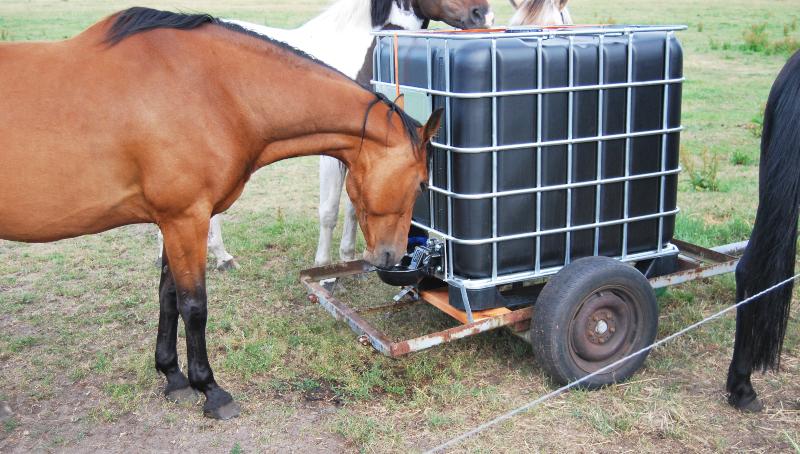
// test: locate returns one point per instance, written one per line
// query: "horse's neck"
(341, 35)
(331, 124)
(325, 114)
(342, 16)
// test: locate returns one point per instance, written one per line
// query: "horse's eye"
(423, 186)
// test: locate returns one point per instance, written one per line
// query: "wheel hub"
(600, 327)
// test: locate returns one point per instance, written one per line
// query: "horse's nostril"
(477, 15)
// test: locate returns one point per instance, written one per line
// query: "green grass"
(10, 424)
(80, 316)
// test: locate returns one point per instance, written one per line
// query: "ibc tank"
(555, 145)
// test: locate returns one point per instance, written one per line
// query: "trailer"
(552, 192)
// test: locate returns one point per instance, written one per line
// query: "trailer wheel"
(593, 312)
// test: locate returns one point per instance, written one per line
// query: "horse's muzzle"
(382, 257)
(480, 17)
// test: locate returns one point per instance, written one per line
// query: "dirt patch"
(73, 422)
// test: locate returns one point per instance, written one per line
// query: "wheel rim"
(603, 328)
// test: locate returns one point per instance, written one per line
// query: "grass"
(10, 424)
(702, 177)
(78, 318)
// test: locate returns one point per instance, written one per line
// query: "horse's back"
(80, 120)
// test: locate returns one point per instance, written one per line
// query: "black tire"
(593, 312)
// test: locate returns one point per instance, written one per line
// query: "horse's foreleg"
(331, 178)
(185, 241)
(177, 389)
(216, 246)
(741, 393)
(347, 248)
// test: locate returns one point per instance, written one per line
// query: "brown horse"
(152, 116)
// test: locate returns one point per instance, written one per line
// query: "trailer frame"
(694, 262)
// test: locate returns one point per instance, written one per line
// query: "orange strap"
(396, 68)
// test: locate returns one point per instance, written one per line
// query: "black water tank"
(471, 126)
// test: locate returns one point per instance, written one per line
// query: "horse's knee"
(194, 312)
(166, 360)
(328, 217)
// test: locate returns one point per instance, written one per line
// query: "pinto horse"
(157, 117)
(342, 37)
(771, 252)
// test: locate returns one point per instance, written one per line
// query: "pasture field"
(78, 318)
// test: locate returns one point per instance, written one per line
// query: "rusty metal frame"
(694, 262)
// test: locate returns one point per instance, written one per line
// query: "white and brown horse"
(156, 117)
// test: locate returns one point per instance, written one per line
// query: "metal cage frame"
(445, 233)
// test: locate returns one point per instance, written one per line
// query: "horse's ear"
(514, 4)
(380, 11)
(400, 101)
(432, 126)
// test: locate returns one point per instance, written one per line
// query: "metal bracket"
(407, 291)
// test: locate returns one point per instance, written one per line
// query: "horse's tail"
(770, 255)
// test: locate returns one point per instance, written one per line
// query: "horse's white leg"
(216, 246)
(331, 178)
(347, 248)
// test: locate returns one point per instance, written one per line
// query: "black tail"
(770, 254)
(138, 19)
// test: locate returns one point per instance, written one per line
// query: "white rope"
(501, 418)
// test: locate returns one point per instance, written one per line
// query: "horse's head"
(540, 12)
(463, 14)
(386, 178)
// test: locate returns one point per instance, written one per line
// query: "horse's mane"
(139, 19)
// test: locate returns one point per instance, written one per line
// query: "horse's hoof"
(751, 405)
(225, 412)
(184, 396)
(228, 265)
